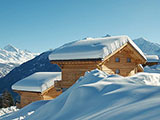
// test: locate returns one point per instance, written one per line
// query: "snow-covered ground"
(24, 112)
(6, 111)
(99, 96)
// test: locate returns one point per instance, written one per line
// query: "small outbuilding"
(113, 55)
(38, 86)
(152, 60)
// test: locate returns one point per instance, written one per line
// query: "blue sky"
(40, 25)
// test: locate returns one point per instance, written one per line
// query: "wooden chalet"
(38, 86)
(113, 55)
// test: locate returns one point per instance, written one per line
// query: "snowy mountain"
(11, 57)
(100, 96)
(38, 64)
(148, 47)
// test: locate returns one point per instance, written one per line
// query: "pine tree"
(7, 99)
(0, 102)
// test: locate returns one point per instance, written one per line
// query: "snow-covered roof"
(37, 82)
(91, 48)
(152, 58)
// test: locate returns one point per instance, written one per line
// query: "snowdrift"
(99, 96)
(24, 112)
(8, 110)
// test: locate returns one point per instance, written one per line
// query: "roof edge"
(94, 59)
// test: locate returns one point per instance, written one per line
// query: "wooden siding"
(51, 93)
(28, 97)
(126, 68)
(72, 72)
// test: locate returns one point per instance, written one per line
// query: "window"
(58, 89)
(128, 60)
(117, 71)
(117, 59)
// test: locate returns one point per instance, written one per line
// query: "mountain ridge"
(148, 47)
(11, 57)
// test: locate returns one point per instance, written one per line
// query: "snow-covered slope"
(11, 57)
(99, 96)
(8, 110)
(148, 47)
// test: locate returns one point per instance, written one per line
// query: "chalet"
(38, 86)
(113, 55)
(152, 60)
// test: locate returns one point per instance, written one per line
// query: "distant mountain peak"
(107, 35)
(147, 46)
(10, 48)
(11, 57)
(143, 38)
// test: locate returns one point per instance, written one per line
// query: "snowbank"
(8, 110)
(24, 112)
(37, 82)
(91, 48)
(99, 96)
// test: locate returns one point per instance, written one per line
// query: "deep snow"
(24, 112)
(8, 110)
(99, 96)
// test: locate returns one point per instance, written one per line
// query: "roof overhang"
(140, 56)
(140, 68)
(142, 59)
(77, 61)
